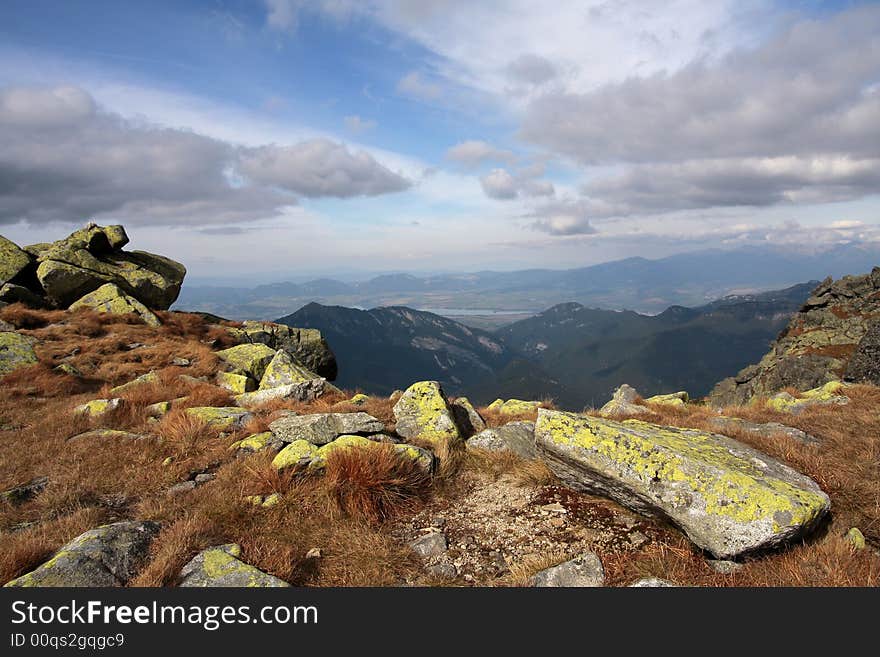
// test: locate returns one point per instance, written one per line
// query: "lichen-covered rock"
(728, 498)
(514, 406)
(421, 457)
(516, 437)
(623, 403)
(220, 567)
(307, 346)
(583, 571)
(467, 418)
(282, 370)
(98, 407)
(675, 399)
(856, 538)
(256, 441)
(105, 556)
(110, 299)
(222, 418)
(423, 413)
(248, 359)
(144, 379)
(816, 346)
(826, 395)
(322, 428)
(303, 392)
(724, 424)
(359, 399)
(864, 366)
(298, 453)
(13, 260)
(16, 351)
(92, 256)
(237, 384)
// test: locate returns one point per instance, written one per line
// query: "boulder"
(674, 399)
(23, 492)
(16, 351)
(92, 256)
(12, 293)
(248, 359)
(423, 413)
(421, 457)
(13, 261)
(98, 407)
(256, 441)
(514, 406)
(516, 437)
(583, 571)
(221, 567)
(728, 498)
(298, 453)
(302, 392)
(106, 556)
(360, 399)
(430, 545)
(467, 418)
(864, 366)
(223, 418)
(282, 370)
(623, 403)
(110, 299)
(723, 424)
(826, 395)
(143, 380)
(236, 383)
(307, 346)
(322, 428)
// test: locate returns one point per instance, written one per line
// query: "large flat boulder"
(423, 413)
(105, 556)
(93, 256)
(248, 359)
(322, 428)
(728, 498)
(302, 392)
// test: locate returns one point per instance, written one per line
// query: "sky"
(262, 140)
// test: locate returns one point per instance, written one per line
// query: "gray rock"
(723, 566)
(423, 413)
(443, 569)
(430, 545)
(220, 567)
(13, 260)
(106, 556)
(306, 345)
(467, 418)
(727, 497)
(864, 366)
(322, 428)
(652, 583)
(182, 487)
(516, 437)
(623, 402)
(767, 429)
(582, 571)
(11, 293)
(16, 351)
(304, 391)
(24, 492)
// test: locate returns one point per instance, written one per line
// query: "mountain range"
(571, 353)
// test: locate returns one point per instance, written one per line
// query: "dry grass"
(497, 464)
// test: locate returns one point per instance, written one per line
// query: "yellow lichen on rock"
(237, 384)
(423, 413)
(297, 453)
(110, 299)
(248, 359)
(675, 399)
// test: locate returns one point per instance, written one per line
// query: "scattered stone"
(825, 395)
(766, 430)
(652, 583)
(224, 418)
(106, 556)
(516, 437)
(582, 571)
(423, 413)
(430, 545)
(304, 392)
(68, 369)
(322, 428)
(144, 379)
(220, 567)
(98, 407)
(237, 384)
(110, 299)
(299, 453)
(257, 441)
(23, 492)
(623, 402)
(181, 362)
(514, 406)
(16, 351)
(314, 553)
(421, 457)
(162, 408)
(723, 566)
(248, 359)
(264, 501)
(469, 421)
(182, 487)
(204, 478)
(727, 497)
(856, 538)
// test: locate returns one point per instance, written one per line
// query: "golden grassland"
(348, 511)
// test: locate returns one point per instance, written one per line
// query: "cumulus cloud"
(319, 167)
(500, 184)
(564, 217)
(474, 152)
(531, 69)
(64, 159)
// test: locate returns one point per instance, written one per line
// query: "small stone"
(204, 478)
(430, 545)
(443, 570)
(652, 583)
(181, 362)
(314, 553)
(723, 566)
(582, 571)
(182, 487)
(856, 538)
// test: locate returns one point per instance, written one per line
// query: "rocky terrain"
(141, 447)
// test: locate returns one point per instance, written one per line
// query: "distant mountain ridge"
(647, 286)
(574, 354)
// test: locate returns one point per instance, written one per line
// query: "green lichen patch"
(237, 384)
(144, 379)
(16, 351)
(514, 406)
(221, 567)
(298, 453)
(98, 407)
(255, 442)
(283, 370)
(223, 418)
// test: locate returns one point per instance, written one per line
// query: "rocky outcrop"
(307, 346)
(14, 261)
(106, 556)
(864, 366)
(727, 497)
(818, 344)
(110, 299)
(516, 437)
(423, 413)
(221, 567)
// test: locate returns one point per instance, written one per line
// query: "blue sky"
(266, 139)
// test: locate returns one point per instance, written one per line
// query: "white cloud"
(499, 184)
(474, 152)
